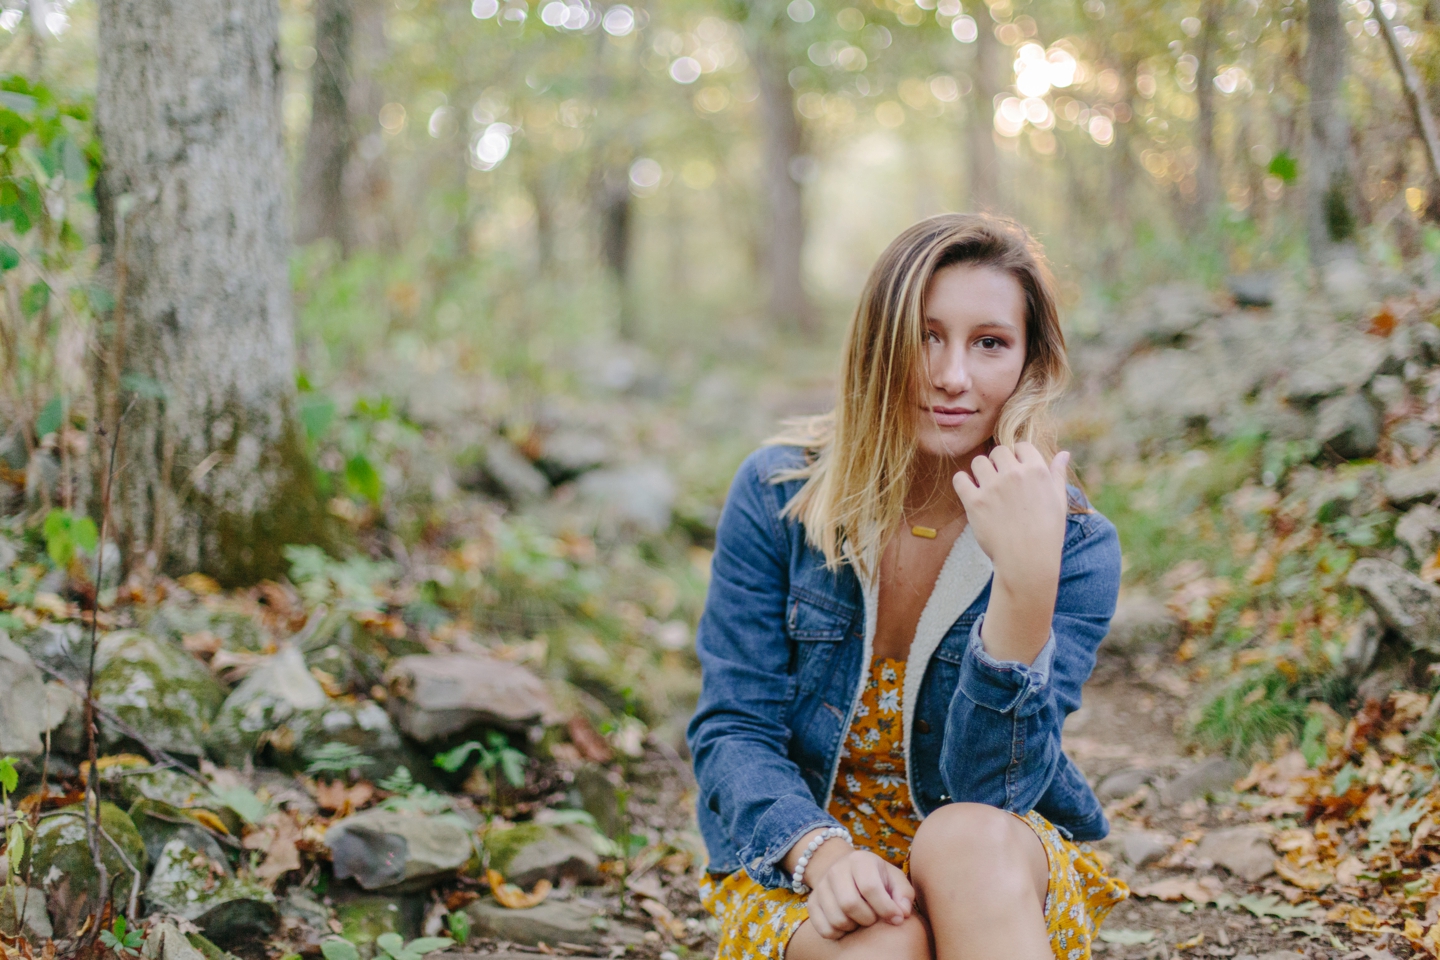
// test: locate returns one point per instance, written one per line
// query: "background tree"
(320, 199)
(215, 475)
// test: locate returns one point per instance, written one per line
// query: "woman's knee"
(905, 941)
(963, 843)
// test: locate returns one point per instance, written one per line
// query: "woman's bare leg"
(879, 941)
(981, 876)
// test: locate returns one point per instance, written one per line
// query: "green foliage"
(9, 777)
(410, 795)
(394, 946)
(459, 925)
(250, 807)
(123, 941)
(1270, 905)
(1394, 824)
(351, 582)
(336, 757)
(66, 533)
(1251, 711)
(1284, 166)
(498, 753)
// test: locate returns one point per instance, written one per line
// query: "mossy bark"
(213, 471)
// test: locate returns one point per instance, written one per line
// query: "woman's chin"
(948, 444)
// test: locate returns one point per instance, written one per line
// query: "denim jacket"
(785, 645)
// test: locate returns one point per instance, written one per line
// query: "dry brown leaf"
(126, 760)
(1192, 943)
(1311, 876)
(341, 797)
(590, 744)
(512, 897)
(1203, 890)
(276, 837)
(199, 584)
(1349, 870)
(663, 917)
(1357, 918)
(203, 644)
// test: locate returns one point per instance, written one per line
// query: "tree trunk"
(980, 129)
(1329, 186)
(1207, 171)
(214, 474)
(616, 219)
(785, 218)
(321, 200)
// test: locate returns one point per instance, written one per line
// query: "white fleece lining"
(964, 574)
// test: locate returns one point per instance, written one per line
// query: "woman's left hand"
(1016, 505)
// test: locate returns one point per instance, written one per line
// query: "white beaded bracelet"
(797, 879)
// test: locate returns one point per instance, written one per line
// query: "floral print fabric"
(872, 799)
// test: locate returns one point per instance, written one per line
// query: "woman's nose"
(948, 371)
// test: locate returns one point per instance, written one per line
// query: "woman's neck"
(931, 491)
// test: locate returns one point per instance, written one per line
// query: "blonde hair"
(859, 455)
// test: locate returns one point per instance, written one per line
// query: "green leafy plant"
(337, 757)
(1272, 906)
(391, 946)
(123, 941)
(66, 533)
(493, 758)
(15, 833)
(410, 795)
(459, 925)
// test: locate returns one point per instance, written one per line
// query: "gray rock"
(435, 695)
(636, 498)
(599, 796)
(164, 941)
(1142, 847)
(63, 647)
(1419, 530)
(398, 850)
(1172, 387)
(1123, 783)
(553, 921)
(158, 823)
(1345, 366)
(364, 725)
(515, 478)
(27, 708)
(278, 689)
(1389, 391)
(1362, 643)
(1162, 314)
(1410, 485)
(161, 691)
(569, 452)
(1243, 851)
(1348, 427)
(9, 553)
(1416, 435)
(1213, 775)
(1405, 603)
(194, 884)
(529, 852)
(1253, 289)
(1347, 285)
(1141, 623)
(22, 909)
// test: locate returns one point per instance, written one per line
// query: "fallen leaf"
(199, 584)
(591, 745)
(1171, 889)
(1356, 917)
(341, 797)
(512, 897)
(1192, 943)
(275, 836)
(663, 917)
(1311, 876)
(1272, 906)
(1125, 937)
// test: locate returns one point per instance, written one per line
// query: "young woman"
(905, 600)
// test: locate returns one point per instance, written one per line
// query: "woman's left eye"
(990, 343)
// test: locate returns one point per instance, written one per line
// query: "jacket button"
(922, 726)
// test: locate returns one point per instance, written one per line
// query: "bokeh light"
(801, 11)
(964, 29)
(619, 20)
(645, 175)
(491, 146)
(484, 9)
(685, 70)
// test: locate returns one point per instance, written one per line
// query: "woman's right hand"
(856, 890)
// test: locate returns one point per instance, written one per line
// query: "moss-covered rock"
(158, 689)
(528, 852)
(191, 882)
(279, 689)
(60, 862)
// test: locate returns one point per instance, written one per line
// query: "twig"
(134, 875)
(1414, 92)
(92, 820)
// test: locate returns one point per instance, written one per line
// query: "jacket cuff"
(788, 819)
(1005, 686)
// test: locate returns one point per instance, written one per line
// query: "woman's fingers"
(853, 900)
(1003, 458)
(872, 886)
(1059, 466)
(836, 919)
(900, 888)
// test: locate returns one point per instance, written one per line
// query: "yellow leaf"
(512, 897)
(1192, 943)
(199, 584)
(1311, 876)
(126, 760)
(208, 819)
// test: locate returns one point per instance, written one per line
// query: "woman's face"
(973, 355)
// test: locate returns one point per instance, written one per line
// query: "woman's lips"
(950, 416)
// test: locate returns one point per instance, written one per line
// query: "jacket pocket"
(817, 633)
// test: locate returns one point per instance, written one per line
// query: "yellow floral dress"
(872, 799)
